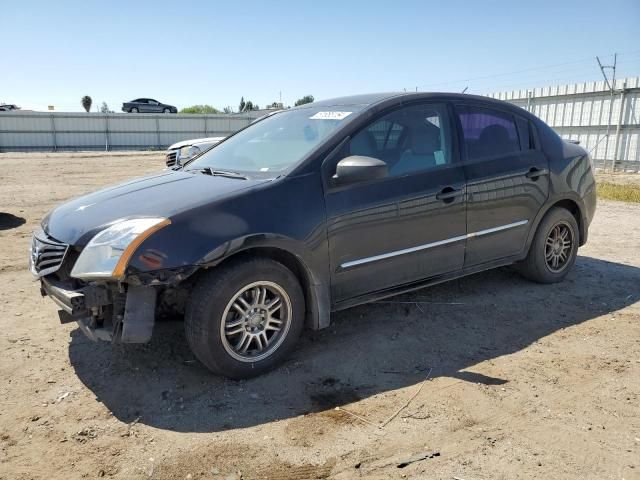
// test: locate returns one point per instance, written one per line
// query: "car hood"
(159, 195)
(195, 141)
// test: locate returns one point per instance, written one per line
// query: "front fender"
(287, 215)
(254, 241)
(315, 281)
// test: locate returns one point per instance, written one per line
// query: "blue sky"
(188, 52)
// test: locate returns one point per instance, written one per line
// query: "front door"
(154, 106)
(507, 181)
(405, 227)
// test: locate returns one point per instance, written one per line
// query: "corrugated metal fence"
(29, 131)
(607, 124)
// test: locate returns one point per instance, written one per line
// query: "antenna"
(613, 67)
(465, 89)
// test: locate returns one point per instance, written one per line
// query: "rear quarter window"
(526, 135)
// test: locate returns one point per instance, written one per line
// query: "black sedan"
(147, 105)
(316, 209)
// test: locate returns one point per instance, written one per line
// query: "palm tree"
(86, 103)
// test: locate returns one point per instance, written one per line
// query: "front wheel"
(166, 110)
(244, 318)
(554, 248)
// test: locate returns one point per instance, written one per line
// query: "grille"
(171, 159)
(46, 254)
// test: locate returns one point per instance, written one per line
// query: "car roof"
(364, 99)
(375, 98)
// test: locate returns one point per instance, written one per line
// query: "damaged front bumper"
(103, 312)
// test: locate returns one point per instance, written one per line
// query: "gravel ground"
(491, 377)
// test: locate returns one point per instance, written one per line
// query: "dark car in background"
(8, 107)
(317, 209)
(147, 105)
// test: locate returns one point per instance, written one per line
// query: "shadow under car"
(367, 350)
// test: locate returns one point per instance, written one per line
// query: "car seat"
(424, 152)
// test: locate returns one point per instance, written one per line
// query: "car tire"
(225, 315)
(166, 110)
(134, 110)
(554, 248)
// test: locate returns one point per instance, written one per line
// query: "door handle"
(448, 194)
(534, 173)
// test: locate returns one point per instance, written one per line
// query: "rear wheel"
(554, 248)
(245, 317)
(134, 110)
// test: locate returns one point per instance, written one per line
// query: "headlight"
(188, 152)
(108, 253)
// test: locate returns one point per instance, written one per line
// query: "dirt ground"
(491, 377)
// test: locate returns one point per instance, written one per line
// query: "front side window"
(410, 139)
(487, 132)
(277, 142)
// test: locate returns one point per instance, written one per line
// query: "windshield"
(277, 142)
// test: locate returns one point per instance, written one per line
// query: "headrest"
(425, 141)
(494, 135)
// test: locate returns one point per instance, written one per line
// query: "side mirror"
(358, 168)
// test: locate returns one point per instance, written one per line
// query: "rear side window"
(487, 132)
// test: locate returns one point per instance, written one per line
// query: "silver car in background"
(180, 152)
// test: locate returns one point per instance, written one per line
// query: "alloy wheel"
(559, 247)
(255, 322)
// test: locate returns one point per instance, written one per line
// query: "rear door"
(142, 105)
(507, 181)
(405, 227)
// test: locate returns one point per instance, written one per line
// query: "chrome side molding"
(439, 243)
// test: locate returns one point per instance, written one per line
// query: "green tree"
(104, 108)
(200, 109)
(242, 105)
(248, 105)
(305, 99)
(228, 110)
(86, 103)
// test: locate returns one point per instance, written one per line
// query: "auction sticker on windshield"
(330, 115)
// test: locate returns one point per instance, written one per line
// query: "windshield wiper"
(223, 173)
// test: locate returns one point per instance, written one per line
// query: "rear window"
(487, 132)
